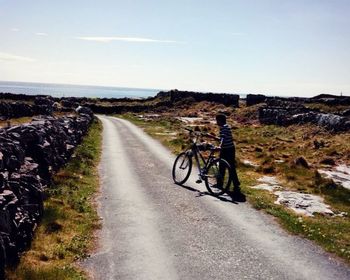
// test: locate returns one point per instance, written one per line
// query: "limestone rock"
(301, 203)
(29, 154)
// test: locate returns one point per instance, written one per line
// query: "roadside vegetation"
(15, 121)
(66, 233)
(291, 154)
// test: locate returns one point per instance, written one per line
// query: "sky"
(278, 47)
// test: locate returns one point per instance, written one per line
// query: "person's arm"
(213, 137)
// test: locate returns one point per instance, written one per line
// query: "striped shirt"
(226, 136)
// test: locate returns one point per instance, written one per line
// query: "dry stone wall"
(288, 115)
(29, 155)
(17, 109)
(222, 98)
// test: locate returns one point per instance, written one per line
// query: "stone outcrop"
(289, 113)
(29, 155)
(301, 203)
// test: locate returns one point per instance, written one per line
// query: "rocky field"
(293, 154)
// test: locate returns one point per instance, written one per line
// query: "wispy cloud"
(11, 57)
(41, 34)
(15, 29)
(126, 39)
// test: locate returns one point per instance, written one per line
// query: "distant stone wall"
(23, 97)
(29, 155)
(253, 99)
(120, 109)
(329, 99)
(222, 98)
(162, 101)
(18, 109)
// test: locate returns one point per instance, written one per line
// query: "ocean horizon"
(70, 90)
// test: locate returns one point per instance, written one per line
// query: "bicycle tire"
(214, 181)
(182, 168)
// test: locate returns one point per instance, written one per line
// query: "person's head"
(220, 119)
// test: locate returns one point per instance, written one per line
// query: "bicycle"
(215, 172)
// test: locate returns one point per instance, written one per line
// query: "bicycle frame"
(214, 171)
(194, 151)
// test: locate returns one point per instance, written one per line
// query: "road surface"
(154, 229)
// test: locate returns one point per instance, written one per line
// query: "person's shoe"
(238, 196)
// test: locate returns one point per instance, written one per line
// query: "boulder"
(301, 161)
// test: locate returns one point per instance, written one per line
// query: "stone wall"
(18, 109)
(330, 99)
(29, 155)
(222, 98)
(119, 109)
(289, 114)
(23, 97)
(162, 101)
(253, 99)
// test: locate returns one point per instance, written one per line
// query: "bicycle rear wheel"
(182, 168)
(218, 177)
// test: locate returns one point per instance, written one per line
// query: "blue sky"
(279, 47)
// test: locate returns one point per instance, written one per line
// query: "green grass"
(286, 143)
(66, 233)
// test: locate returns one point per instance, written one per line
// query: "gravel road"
(154, 229)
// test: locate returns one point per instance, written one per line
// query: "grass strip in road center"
(66, 233)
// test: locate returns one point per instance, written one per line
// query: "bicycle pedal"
(199, 181)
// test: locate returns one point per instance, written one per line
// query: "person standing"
(228, 153)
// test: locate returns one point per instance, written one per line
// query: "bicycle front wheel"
(218, 176)
(182, 168)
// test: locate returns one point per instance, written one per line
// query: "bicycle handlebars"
(207, 146)
(202, 134)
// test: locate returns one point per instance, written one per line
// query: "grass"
(66, 233)
(15, 121)
(266, 144)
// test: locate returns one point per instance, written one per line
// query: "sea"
(65, 90)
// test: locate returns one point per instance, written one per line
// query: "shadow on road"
(226, 198)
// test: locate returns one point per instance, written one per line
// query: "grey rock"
(29, 155)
